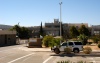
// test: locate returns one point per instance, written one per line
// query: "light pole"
(60, 20)
(18, 23)
(18, 35)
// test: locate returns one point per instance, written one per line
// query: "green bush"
(87, 50)
(47, 40)
(50, 41)
(98, 45)
(63, 62)
(67, 50)
(95, 39)
(81, 62)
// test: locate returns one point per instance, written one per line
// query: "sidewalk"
(35, 49)
(44, 49)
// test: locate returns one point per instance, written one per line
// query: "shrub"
(81, 62)
(47, 40)
(87, 50)
(73, 62)
(95, 39)
(63, 61)
(98, 45)
(50, 41)
(67, 50)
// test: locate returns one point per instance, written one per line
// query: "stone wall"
(35, 42)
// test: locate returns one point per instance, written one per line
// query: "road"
(13, 54)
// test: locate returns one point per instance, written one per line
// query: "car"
(76, 47)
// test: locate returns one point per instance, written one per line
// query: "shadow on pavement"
(93, 54)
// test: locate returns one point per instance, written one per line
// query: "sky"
(33, 12)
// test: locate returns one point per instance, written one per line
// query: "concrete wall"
(35, 42)
(7, 38)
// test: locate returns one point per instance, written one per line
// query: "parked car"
(76, 47)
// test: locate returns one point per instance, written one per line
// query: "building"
(34, 31)
(7, 37)
(54, 28)
(95, 30)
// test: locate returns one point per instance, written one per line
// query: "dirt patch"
(93, 47)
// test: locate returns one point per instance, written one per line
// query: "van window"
(70, 43)
(78, 43)
(64, 44)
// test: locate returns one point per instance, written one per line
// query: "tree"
(83, 38)
(95, 39)
(22, 32)
(84, 30)
(17, 29)
(41, 30)
(74, 32)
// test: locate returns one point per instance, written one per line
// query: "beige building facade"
(54, 28)
(95, 30)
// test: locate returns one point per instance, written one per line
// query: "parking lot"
(22, 54)
(54, 58)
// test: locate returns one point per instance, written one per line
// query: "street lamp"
(18, 23)
(60, 20)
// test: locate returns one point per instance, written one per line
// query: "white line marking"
(27, 58)
(47, 59)
(20, 58)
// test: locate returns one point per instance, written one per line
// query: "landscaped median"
(87, 50)
(93, 47)
(73, 62)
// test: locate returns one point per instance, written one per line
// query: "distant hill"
(5, 27)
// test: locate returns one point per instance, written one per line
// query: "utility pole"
(60, 20)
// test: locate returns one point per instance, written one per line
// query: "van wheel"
(57, 51)
(76, 50)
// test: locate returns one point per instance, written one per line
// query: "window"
(64, 44)
(78, 43)
(70, 43)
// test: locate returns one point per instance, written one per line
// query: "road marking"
(26, 59)
(47, 59)
(21, 58)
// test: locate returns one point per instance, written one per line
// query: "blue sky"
(33, 12)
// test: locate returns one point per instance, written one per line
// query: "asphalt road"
(12, 54)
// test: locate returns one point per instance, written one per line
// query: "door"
(5, 39)
(71, 45)
(63, 46)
